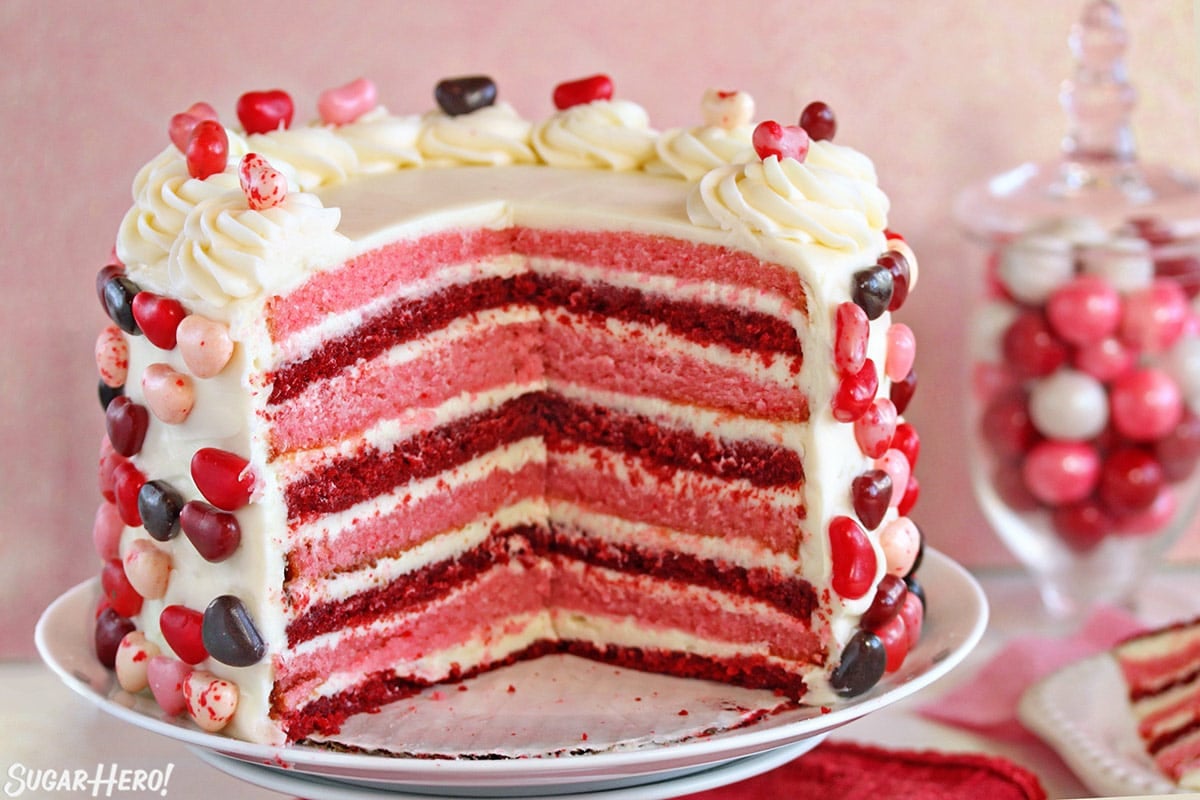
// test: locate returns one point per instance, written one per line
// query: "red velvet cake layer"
(344, 482)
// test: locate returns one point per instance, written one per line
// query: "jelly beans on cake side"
(1092, 390)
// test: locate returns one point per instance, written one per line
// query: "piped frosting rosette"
(310, 157)
(604, 134)
(725, 138)
(494, 135)
(832, 198)
(382, 141)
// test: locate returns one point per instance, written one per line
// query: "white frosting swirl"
(494, 135)
(612, 134)
(381, 141)
(690, 153)
(309, 157)
(832, 198)
(228, 251)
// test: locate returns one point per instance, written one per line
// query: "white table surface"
(44, 725)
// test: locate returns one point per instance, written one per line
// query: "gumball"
(1034, 267)
(1068, 405)
(1125, 264)
(1130, 480)
(1006, 426)
(1058, 473)
(1146, 404)
(1179, 450)
(1154, 316)
(1084, 310)
(1183, 364)
(1031, 348)
(1105, 359)
(1153, 519)
(1083, 525)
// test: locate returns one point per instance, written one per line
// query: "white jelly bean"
(204, 344)
(727, 109)
(169, 394)
(147, 568)
(133, 659)
(900, 541)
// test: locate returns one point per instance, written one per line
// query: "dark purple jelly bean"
(229, 634)
(897, 264)
(889, 598)
(872, 289)
(126, 422)
(871, 493)
(915, 588)
(159, 505)
(902, 391)
(110, 629)
(214, 533)
(118, 295)
(458, 96)
(109, 393)
(920, 552)
(863, 662)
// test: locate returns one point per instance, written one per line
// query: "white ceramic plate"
(605, 730)
(1080, 711)
(312, 787)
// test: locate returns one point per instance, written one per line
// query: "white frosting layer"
(494, 135)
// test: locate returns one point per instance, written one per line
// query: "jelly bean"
(851, 332)
(871, 495)
(900, 541)
(230, 635)
(901, 392)
(263, 185)
(908, 442)
(889, 597)
(458, 96)
(894, 636)
(902, 275)
(211, 701)
(159, 505)
(781, 141)
(110, 628)
(166, 677)
(263, 112)
(896, 465)
(901, 248)
(344, 104)
(901, 351)
(853, 560)
(127, 481)
(819, 121)
(168, 394)
(147, 568)
(915, 588)
(876, 428)
(912, 611)
(863, 663)
(108, 394)
(207, 149)
(1058, 473)
(581, 91)
(158, 317)
(112, 356)
(205, 345)
(855, 393)
(728, 110)
(912, 492)
(106, 531)
(224, 478)
(871, 289)
(1068, 405)
(109, 459)
(182, 124)
(181, 628)
(126, 423)
(122, 597)
(118, 293)
(215, 534)
(1146, 404)
(132, 660)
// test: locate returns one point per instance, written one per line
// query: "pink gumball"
(1058, 472)
(1086, 309)
(1155, 316)
(1153, 519)
(1105, 359)
(1146, 404)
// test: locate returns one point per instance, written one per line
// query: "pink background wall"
(939, 94)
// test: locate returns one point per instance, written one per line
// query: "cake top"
(229, 213)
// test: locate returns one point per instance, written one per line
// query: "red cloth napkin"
(848, 771)
(987, 703)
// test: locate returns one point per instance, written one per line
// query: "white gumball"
(1032, 267)
(1069, 405)
(1126, 263)
(1182, 363)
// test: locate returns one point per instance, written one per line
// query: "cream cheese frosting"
(494, 135)
(612, 134)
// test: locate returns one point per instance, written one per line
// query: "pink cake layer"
(1149, 676)
(1187, 706)
(1182, 755)
(692, 503)
(341, 407)
(587, 354)
(383, 272)
(411, 523)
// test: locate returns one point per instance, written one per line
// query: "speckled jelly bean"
(263, 185)
(853, 560)
(204, 344)
(132, 660)
(230, 635)
(725, 109)
(211, 701)
(166, 677)
(107, 528)
(169, 395)
(875, 429)
(855, 393)
(863, 663)
(112, 356)
(901, 351)
(896, 465)
(851, 332)
(147, 568)
(1068, 405)
(181, 628)
(900, 541)
(344, 104)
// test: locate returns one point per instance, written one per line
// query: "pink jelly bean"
(1086, 309)
(106, 531)
(204, 344)
(133, 660)
(169, 394)
(1155, 316)
(876, 428)
(347, 103)
(112, 356)
(901, 352)
(211, 701)
(166, 677)
(900, 541)
(147, 568)
(1061, 472)
(852, 329)
(1146, 404)
(896, 465)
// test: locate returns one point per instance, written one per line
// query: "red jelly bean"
(855, 393)
(122, 597)
(584, 90)
(127, 483)
(182, 627)
(223, 478)
(851, 332)
(126, 423)
(853, 559)
(908, 442)
(912, 611)
(109, 630)
(207, 149)
(894, 635)
(912, 492)
(263, 112)
(782, 141)
(158, 317)
(818, 120)
(871, 494)
(902, 392)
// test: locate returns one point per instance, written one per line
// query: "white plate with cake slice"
(1081, 712)
(557, 725)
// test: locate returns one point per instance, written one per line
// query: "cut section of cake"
(528, 389)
